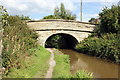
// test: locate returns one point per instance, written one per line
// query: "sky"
(37, 9)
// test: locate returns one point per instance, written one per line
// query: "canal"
(99, 68)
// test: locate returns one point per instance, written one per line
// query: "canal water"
(99, 68)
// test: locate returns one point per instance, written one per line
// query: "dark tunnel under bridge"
(61, 41)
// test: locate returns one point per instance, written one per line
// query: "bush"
(49, 17)
(106, 47)
(17, 40)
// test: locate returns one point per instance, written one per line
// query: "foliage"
(17, 40)
(94, 21)
(57, 13)
(70, 16)
(56, 41)
(4, 15)
(110, 20)
(83, 75)
(22, 17)
(106, 47)
(61, 13)
(34, 66)
(49, 17)
(105, 42)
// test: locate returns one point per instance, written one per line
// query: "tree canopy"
(94, 20)
(110, 19)
(61, 13)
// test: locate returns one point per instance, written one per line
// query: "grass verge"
(34, 66)
(62, 69)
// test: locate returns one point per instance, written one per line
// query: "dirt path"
(52, 63)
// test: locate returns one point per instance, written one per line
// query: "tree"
(57, 13)
(109, 18)
(61, 13)
(119, 14)
(94, 20)
(69, 15)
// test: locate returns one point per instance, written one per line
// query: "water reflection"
(99, 68)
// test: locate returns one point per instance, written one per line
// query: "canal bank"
(100, 68)
(62, 68)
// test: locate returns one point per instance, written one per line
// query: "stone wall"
(44, 35)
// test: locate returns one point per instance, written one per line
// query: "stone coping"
(58, 20)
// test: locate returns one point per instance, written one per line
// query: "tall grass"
(18, 39)
(34, 66)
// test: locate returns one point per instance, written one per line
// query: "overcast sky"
(37, 9)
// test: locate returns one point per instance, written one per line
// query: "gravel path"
(52, 63)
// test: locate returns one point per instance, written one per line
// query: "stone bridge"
(72, 31)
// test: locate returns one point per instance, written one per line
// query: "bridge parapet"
(61, 24)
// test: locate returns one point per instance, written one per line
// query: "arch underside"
(68, 41)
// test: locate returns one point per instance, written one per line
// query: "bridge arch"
(69, 41)
(47, 28)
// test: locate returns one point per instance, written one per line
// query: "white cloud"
(23, 7)
(35, 6)
(28, 7)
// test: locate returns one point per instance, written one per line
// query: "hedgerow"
(106, 47)
(18, 39)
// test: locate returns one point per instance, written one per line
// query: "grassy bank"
(21, 56)
(62, 68)
(32, 65)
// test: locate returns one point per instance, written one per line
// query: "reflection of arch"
(70, 40)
